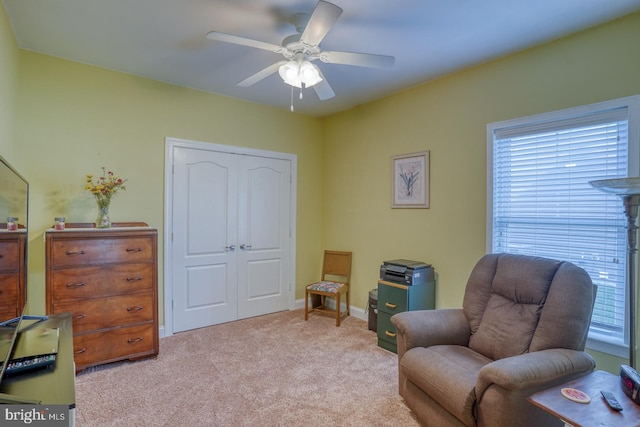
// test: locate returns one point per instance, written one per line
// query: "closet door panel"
(204, 235)
(263, 232)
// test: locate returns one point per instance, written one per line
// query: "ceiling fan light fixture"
(289, 73)
(296, 73)
(309, 74)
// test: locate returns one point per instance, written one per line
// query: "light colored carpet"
(273, 370)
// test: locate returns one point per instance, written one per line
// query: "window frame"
(595, 341)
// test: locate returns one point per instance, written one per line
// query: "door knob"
(245, 247)
(230, 248)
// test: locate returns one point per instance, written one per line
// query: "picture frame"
(410, 180)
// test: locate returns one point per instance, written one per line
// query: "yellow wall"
(448, 117)
(8, 76)
(73, 118)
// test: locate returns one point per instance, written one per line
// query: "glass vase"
(103, 221)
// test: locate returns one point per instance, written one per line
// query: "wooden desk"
(594, 413)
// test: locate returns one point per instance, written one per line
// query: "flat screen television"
(14, 205)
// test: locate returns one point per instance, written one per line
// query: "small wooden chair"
(336, 275)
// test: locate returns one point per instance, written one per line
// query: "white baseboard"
(356, 312)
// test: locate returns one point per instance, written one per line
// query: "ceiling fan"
(301, 49)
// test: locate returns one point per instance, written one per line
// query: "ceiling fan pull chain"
(292, 99)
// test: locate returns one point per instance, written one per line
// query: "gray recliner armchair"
(522, 329)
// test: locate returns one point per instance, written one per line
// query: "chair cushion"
(448, 374)
(506, 329)
(326, 286)
(511, 292)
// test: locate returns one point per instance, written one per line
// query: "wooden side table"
(594, 413)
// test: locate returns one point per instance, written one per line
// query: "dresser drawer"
(391, 299)
(386, 332)
(9, 284)
(78, 252)
(102, 313)
(8, 288)
(9, 255)
(8, 313)
(9, 293)
(97, 282)
(115, 344)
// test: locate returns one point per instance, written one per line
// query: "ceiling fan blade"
(323, 89)
(262, 74)
(230, 38)
(322, 19)
(358, 59)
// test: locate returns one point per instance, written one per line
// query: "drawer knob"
(75, 285)
(134, 279)
(389, 334)
(134, 340)
(134, 249)
(388, 304)
(136, 308)
(82, 350)
(1, 256)
(71, 253)
(79, 316)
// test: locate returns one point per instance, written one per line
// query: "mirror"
(14, 207)
(14, 195)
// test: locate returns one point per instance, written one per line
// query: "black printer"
(406, 272)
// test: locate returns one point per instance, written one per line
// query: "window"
(541, 203)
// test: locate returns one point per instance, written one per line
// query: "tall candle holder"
(629, 190)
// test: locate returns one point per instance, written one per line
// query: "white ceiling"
(166, 39)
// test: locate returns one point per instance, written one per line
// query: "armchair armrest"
(424, 328)
(536, 370)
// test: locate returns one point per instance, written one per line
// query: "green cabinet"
(395, 298)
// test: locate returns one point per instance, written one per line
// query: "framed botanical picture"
(410, 180)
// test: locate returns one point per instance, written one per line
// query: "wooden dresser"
(13, 273)
(108, 280)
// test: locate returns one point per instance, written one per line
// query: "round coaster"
(575, 395)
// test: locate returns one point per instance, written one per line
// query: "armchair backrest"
(518, 304)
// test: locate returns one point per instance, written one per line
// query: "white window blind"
(542, 203)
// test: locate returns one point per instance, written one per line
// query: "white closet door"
(263, 235)
(231, 236)
(204, 229)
